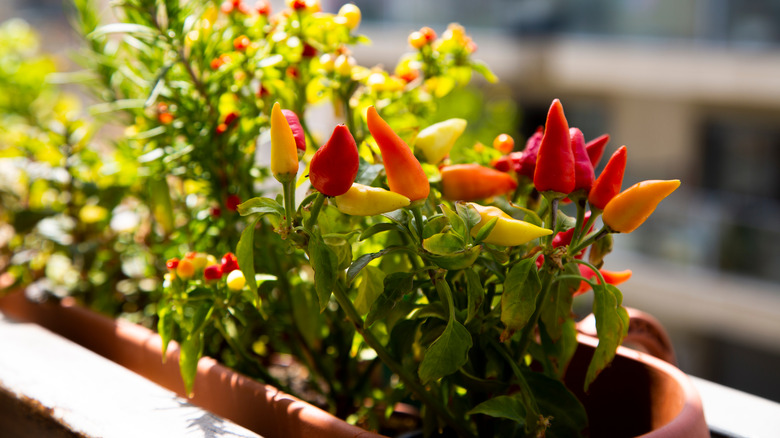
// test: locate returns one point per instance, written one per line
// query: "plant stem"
(409, 380)
(288, 189)
(417, 212)
(589, 239)
(316, 206)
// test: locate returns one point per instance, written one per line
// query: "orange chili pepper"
(469, 182)
(404, 173)
(611, 277)
(631, 207)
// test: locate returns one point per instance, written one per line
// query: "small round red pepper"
(608, 184)
(212, 272)
(555, 162)
(229, 263)
(404, 173)
(334, 166)
(172, 264)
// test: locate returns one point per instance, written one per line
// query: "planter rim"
(690, 421)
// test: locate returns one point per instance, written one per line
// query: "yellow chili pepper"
(362, 200)
(284, 152)
(437, 140)
(631, 207)
(508, 231)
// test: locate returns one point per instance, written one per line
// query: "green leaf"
(518, 301)
(611, 328)
(341, 248)
(396, 285)
(469, 214)
(457, 260)
(447, 353)
(165, 326)
(189, 355)
(504, 406)
(485, 230)
(475, 293)
(558, 353)
(379, 228)
(365, 259)
(162, 208)
(558, 308)
(245, 253)
(457, 223)
(482, 68)
(306, 312)
(444, 244)
(325, 265)
(569, 418)
(371, 286)
(434, 225)
(260, 206)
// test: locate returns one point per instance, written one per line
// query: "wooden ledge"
(50, 386)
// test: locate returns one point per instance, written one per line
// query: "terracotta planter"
(639, 395)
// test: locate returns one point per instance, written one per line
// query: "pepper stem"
(288, 191)
(316, 206)
(417, 212)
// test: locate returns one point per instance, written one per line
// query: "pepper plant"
(469, 304)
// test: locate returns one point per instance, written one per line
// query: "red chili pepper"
(469, 182)
(231, 117)
(506, 162)
(229, 263)
(583, 169)
(232, 202)
(595, 148)
(334, 166)
(172, 264)
(611, 277)
(297, 128)
(308, 51)
(555, 162)
(527, 163)
(608, 184)
(404, 173)
(212, 272)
